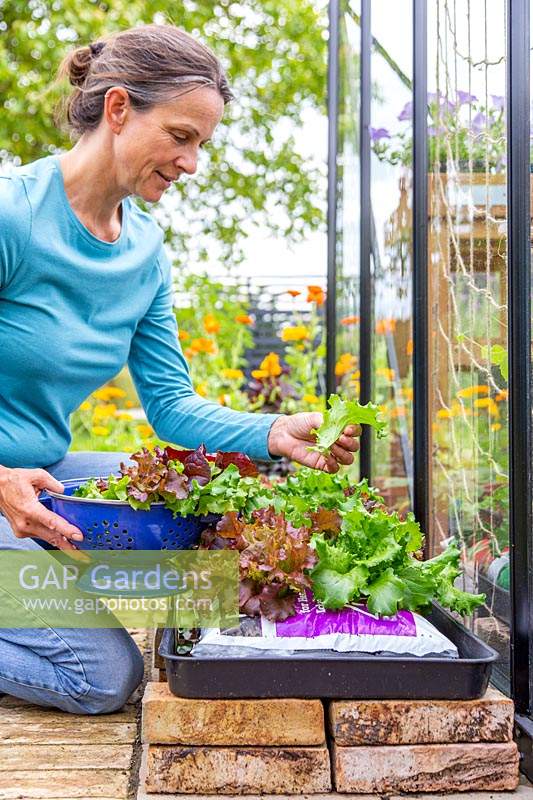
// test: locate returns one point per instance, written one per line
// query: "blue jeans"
(84, 671)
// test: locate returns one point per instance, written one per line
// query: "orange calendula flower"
(503, 394)
(350, 320)
(385, 326)
(244, 319)
(211, 324)
(203, 345)
(409, 348)
(345, 364)
(145, 431)
(385, 372)
(293, 292)
(312, 399)
(233, 374)
(295, 334)
(100, 430)
(472, 390)
(271, 364)
(129, 404)
(259, 374)
(224, 399)
(315, 294)
(183, 336)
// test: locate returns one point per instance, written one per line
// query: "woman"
(85, 287)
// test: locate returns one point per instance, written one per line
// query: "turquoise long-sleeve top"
(75, 309)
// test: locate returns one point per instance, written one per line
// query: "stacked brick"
(386, 746)
(233, 746)
(278, 747)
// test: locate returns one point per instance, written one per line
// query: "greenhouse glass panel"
(391, 203)
(467, 263)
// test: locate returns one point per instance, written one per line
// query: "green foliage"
(275, 54)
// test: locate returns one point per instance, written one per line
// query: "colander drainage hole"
(116, 536)
(124, 530)
(105, 522)
(164, 539)
(130, 539)
(115, 524)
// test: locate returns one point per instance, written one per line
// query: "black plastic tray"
(341, 677)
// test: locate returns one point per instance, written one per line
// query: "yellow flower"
(295, 334)
(271, 364)
(385, 372)
(129, 404)
(407, 392)
(233, 374)
(495, 426)
(211, 324)
(503, 394)
(100, 430)
(444, 413)
(183, 336)
(101, 412)
(489, 404)
(472, 390)
(85, 406)
(409, 348)
(384, 409)
(145, 431)
(203, 345)
(312, 399)
(107, 392)
(259, 374)
(123, 415)
(201, 389)
(345, 364)
(224, 399)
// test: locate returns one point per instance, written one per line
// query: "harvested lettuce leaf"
(340, 414)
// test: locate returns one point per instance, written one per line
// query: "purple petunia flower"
(498, 101)
(465, 97)
(379, 133)
(434, 131)
(406, 112)
(479, 122)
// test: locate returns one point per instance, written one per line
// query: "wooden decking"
(45, 753)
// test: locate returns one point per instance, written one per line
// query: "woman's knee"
(113, 679)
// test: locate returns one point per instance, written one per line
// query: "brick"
(426, 768)
(238, 770)
(168, 719)
(376, 722)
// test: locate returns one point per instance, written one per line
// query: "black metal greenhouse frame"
(519, 299)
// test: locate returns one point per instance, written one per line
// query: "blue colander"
(115, 525)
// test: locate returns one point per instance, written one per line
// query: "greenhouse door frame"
(519, 299)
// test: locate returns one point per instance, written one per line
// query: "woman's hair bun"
(78, 65)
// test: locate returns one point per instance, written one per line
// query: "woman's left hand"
(290, 436)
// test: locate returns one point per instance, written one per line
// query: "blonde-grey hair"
(152, 62)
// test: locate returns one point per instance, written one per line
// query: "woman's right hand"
(19, 493)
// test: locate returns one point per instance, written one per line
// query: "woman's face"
(154, 148)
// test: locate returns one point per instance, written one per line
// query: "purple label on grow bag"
(312, 619)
